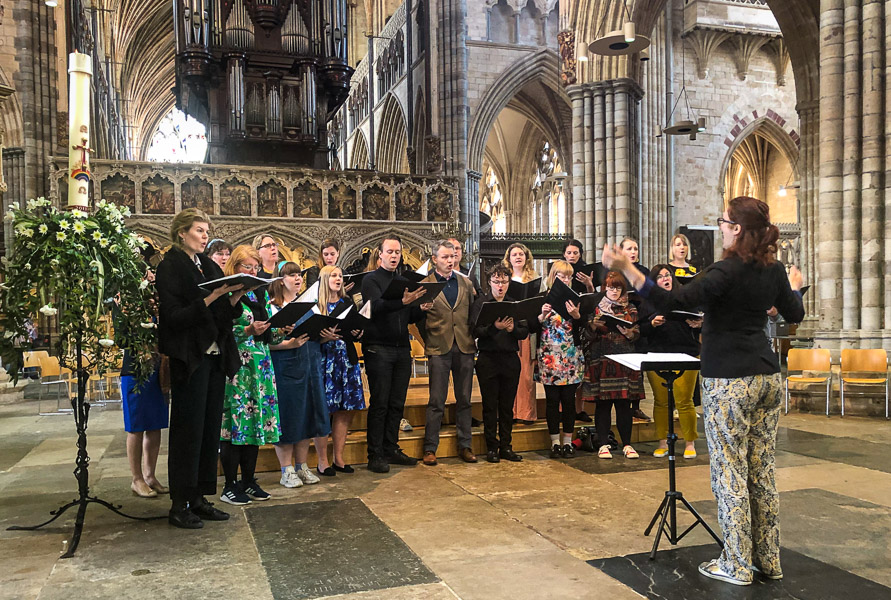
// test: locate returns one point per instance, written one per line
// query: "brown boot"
(466, 455)
(429, 458)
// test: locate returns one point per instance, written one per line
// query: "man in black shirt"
(387, 352)
(498, 368)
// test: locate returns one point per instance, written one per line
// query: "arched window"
(548, 192)
(492, 201)
(179, 138)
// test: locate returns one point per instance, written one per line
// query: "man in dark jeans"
(387, 351)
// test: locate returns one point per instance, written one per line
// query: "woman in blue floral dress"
(560, 364)
(250, 405)
(343, 377)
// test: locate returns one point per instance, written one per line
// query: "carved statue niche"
(157, 196)
(272, 200)
(307, 201)
(375, 203)
(566, 39)
(433, 153)
(197, 193)
(342, 202)
(235, 198)
(120, 190)
(408, 204)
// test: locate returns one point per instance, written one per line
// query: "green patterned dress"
(250, 407)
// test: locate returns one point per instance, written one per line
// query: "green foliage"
(67, 264)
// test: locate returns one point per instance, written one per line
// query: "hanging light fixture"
(692, 124)
(51, 3)
(620, 42)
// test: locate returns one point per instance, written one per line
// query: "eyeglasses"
(664, 276)
(499, 281)
(615, 288)
(268, 246)
(722, 221)
(252, 269)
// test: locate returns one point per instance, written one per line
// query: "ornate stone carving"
(433, 152)
(566, 39)
(704, 42)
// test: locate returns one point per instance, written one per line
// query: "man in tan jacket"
(450, 349)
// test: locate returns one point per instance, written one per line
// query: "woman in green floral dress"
(250, 406)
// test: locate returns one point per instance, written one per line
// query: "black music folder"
(524, 310)
(397, 288)
(523, 291)
(290, 313)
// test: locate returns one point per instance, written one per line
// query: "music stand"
(669, 366)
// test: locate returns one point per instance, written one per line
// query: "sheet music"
(634, 360)
(311, 294)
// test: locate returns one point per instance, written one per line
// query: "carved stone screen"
(376, 203)
(439, 204)
(408, 204)
(157, 196)
(272, 200)
(120, 190)
(341, 202)
(197, 193)
(235, 198)
(307, 201)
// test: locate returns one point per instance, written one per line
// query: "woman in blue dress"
(303, 412)
(343, 377)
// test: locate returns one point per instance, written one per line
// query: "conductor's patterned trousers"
(741, 416)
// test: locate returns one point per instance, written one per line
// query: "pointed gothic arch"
(391, 151)
(359, 153)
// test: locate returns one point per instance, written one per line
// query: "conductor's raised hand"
(409, 297)
(613, 259)
(795, 278)
(573, 310)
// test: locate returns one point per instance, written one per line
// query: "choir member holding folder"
(387, 352)
(612, 329)
(303, 410)
(560, 365)
(742, 387)
(340, 361)
(583, 279)
(195, 332)
(250, 405)
(518, 259)
(498, 365)
(672, 331)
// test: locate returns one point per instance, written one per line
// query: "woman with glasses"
(742, 387)
(267, 247)
(608, 383)
(250, 408)
(518, 259)
(560, 364)
(671, 335)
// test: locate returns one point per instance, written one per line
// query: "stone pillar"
(851, 126)
(808, 163)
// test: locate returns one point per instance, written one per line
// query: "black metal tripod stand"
(667, 511)
(81, 471)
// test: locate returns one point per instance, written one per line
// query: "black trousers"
(389, 371)
(498, 374)
(603, 420)
(196, 413)
(560, 407)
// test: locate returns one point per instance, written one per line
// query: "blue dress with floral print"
(250, 406)
(343, 380)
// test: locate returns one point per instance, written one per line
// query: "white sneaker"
(307, 476)
(290, 479)
(404, 425)
(604, 452)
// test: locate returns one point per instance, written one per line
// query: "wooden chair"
(810, 359)
(31, 362)
(362, 364)
(417, 355)
(856, 361)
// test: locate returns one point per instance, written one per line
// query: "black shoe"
(474, 422)
(509, 454)
(378, 465)
(568, 451)
(328, 472)
(254, 490)
(205, 510)
(492, 456)
(184, 519)
(401, 458)
(234, 495)
(557, 451)
(344, 469)
(583, 417)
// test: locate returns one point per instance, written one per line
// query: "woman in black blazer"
(195, 331)
(741, 383)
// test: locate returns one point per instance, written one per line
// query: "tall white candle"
(80, 72)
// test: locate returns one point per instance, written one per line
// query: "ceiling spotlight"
(644, 55)
(582, 59)
(629, 31)
(701, 125)
(782, 191)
